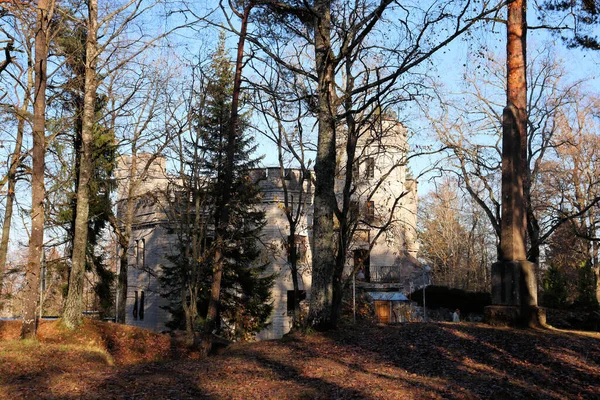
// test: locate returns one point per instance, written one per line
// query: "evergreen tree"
(556, 292)
(245, 295)
(586, 288)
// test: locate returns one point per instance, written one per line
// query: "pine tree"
(245, 294)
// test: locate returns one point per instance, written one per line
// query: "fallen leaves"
(418, 360)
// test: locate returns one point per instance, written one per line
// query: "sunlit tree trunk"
(72, 315)
(38, 192)
(513, 239)
(321, 297)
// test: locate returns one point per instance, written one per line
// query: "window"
(362, 264)
(301, 246)
(140, 254)
(370, 211)
(141, 310)
(287, 174)
(291, 299)
(370, 168)
(355, 171)
(135, 306)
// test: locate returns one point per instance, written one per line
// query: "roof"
(388, 296)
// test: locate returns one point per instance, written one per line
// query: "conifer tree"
(245, 289)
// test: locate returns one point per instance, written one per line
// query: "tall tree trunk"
(223, 208)
(72, 315)
(15, 160)
(122, 282)
(38, 191)
(514, 186)
(513, 241)
(323, 261)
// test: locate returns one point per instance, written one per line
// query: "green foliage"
(245, 302)
(586, 288)
(555, 293)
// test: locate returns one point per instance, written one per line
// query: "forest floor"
(409, 361)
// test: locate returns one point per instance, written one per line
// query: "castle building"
(383, 209)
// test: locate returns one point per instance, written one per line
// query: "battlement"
(271, 181)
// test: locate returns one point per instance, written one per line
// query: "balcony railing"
(398, 274)
(385, 274)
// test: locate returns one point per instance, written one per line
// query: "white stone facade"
(381, 180)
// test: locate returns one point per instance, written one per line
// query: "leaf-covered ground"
(411, 361)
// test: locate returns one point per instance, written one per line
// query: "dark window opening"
(135, 306)
(291, 299)
(355, 171)
(141, 311)
(370, 212)
(301, 247)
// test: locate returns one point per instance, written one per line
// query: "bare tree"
(455, 239)
(147, 121)
(22, 75)
(115, 22)
(468, 125)
(568, 188)
(45, 11)
(322, 43)
(280, 104)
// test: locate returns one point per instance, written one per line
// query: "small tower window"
(370, 212)
(140, 258)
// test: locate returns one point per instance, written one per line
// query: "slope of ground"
(419, 360)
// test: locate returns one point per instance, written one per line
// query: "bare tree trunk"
(15, 160)
(72, 315)
(223, 208)
(514, 220)
(122, 283)
(321, 296)
(38, 191)
(514, 275)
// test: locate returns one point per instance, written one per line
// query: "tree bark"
(513, 240)
(223, 207)
(514, 145)
(321, 297)
(72, 316)
(38, 191)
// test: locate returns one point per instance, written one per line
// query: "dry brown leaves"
(419, 360)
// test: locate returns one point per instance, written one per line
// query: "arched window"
(140, 258)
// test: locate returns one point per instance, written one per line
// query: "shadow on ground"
(420, 360)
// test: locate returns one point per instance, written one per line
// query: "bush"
(444, 297)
